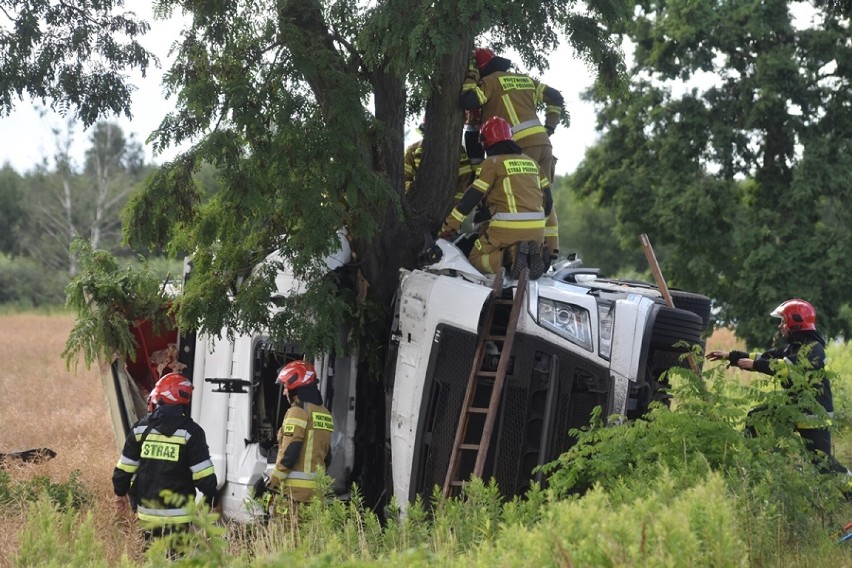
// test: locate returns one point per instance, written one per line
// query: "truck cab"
(582, 341)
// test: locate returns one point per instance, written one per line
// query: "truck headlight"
(571, 322)
(606, 320)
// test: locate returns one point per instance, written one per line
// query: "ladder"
(484, 383)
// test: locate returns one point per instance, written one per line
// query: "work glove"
(550, 129)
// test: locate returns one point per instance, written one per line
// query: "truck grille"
(547, 392)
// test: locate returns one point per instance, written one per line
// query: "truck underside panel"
(547, 392)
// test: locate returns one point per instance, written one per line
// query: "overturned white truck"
(579, 341)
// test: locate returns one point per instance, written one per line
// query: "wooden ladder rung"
(477, 373)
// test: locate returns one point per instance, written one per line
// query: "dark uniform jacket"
(763, 362)
(165, 451)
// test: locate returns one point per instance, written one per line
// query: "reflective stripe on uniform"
(538, 224)
(202, 469)
(155, 436)
(309, 450)
(519, 216)
(480, 95)
(529, 132)
(301, 479)
(127, 464)
(162, 516)
(291, 423)
(526, 124)
(551, 230)
(300, 483)
(279, 474)
(297, 422)
(456, 214)
(510, 196)
(510, 110)
(527, 128)
(480, 184)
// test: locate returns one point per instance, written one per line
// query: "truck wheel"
(674, 325)
(695, 303)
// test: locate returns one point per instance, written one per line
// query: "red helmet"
(173, 388)
(297, 374)
(798, 315)
(483, 55)
(495, 130)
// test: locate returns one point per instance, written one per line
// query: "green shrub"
(56, 537)
(781, 494)
(108, 301)
(27, 284)
(666, 525)
(71, 495)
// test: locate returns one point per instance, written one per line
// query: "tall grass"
(730, 504)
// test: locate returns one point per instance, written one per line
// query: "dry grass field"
(47, 405)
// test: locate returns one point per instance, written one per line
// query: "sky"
(28, 131)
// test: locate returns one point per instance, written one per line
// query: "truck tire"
(695, 303)
(674, 325)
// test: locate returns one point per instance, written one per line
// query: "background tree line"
(45, 209)
(728, 140)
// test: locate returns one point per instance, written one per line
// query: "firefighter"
(304, 440)
(518, 200)
(164, 461)
(798, 327)
(414, 155)
(491, 87)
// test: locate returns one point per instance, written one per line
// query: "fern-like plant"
(109, 302)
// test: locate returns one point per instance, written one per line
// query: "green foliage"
(202, 545)
(27, 284)
(71, 56)
(55, 537)
(108, 302)
(11, 211)
(588, 229)
(276, 101)
(731, 150)
(71, 495)
(773, 477)
(665, 525)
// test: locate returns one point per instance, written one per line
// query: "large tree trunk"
(428, 202)
(401, 236)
